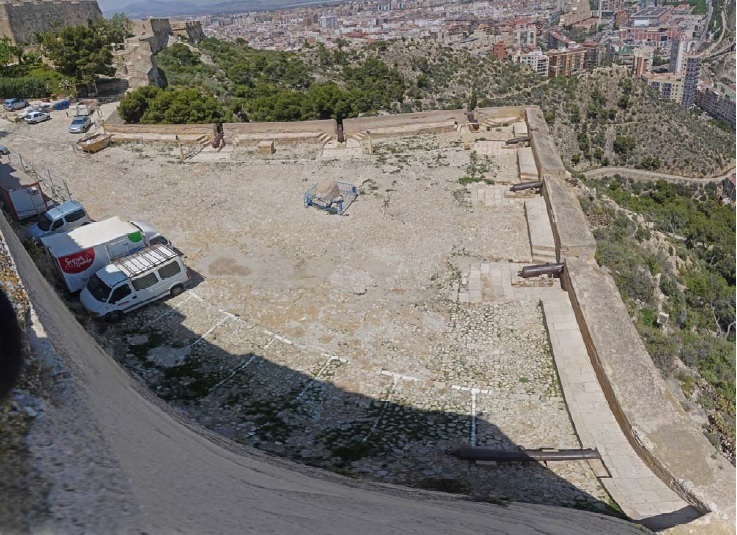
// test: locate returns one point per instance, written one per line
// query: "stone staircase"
(492, 195)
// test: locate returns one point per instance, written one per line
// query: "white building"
(535, 59)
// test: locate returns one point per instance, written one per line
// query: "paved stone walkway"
(641, 495)
(542, 242)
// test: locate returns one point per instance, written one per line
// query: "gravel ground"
(338, 341)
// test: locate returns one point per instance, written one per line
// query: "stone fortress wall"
(655, 424)
(137, 59)
(21, 19)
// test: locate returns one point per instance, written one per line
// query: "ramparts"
(248, 134)
(405, 121)
(20, 20)
(251, 134)
(658, 428)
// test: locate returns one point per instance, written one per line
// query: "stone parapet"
(328, 126)
(546, 154)
(536, 120)
(361, 125)
(570, 229)
(656, 425)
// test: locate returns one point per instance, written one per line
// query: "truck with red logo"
(78, 254)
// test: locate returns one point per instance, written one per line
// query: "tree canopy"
(172, 106)
(83, 52)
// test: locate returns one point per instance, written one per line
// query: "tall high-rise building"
(329, 22)
(691, 80)
(678, 49)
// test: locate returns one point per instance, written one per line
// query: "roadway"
(640, 174)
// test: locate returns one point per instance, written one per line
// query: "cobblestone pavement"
(345, 342)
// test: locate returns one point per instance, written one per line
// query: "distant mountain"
(159, 8)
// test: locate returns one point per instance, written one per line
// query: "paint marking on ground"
(228, 317)
(235, 370)
(171, 310)
(474, 392)
(396, 379)
(399, 376)
(319, 373)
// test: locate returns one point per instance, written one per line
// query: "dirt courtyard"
(339, 341)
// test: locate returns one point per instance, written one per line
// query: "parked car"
(37, 117)
(4, 151)
(133, 281)
(61, 105)
(63, 218)
(80, 125)
(11, 104)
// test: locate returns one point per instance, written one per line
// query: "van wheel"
(113, 317)
(176, 290)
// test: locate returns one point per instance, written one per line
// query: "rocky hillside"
(606, 117)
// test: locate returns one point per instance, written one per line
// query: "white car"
(37, 117)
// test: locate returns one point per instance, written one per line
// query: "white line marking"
(474, 392)
(387, 399)
(228, 316)
(319, 373)
(232, 373)
(398, 376)
(170, 311)
(396, 379)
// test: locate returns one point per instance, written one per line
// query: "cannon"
(527, 185)
(516, 140)
(476, 453)
(541, 269)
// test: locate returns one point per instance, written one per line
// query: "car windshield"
(44, 222)
(98, 289)
(79, 120)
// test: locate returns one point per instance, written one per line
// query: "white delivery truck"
(78, 254)
(133, 281)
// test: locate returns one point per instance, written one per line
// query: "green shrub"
(24, 87)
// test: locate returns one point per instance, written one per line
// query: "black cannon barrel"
(542, 269)
(469, 453)
(515, 140)
(527, 185)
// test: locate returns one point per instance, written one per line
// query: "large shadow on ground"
(303, 404)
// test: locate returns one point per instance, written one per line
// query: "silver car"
(37, 117)
(80, 125)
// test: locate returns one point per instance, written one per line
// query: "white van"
(63, 218)
(78, 254)
(133, 281)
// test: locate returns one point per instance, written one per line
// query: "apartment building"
(535, 59)
(668, 84)
(678, 49)
(643, 60)
(692, 71)
(566, 62)
(720, 104)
